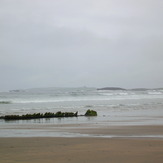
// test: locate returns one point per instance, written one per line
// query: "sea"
(114, 108)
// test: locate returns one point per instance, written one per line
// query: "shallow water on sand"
(114, 108)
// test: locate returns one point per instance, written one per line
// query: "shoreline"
(86, 149)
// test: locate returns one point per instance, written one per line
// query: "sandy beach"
(85, 150)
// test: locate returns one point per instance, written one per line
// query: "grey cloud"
(70, 43)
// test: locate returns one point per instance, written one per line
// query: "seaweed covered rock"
(90, 113)
(59, 114)
(5, 102)
(40, 115)
(48, 115)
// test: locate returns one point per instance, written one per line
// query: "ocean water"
(114, 107)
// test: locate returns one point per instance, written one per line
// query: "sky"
(75, 43)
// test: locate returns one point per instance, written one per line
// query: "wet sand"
(86, 150)
(150, 131)
(80, 150)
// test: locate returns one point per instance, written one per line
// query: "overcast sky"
(71, 43)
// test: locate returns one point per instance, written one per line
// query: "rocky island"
(112, 88)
